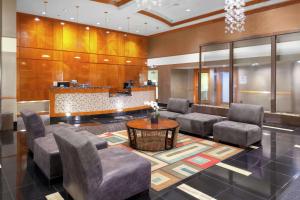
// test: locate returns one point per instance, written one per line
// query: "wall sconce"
(45, 56)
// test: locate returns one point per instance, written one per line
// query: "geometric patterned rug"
(190, 156)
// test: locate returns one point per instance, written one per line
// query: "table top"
(145, 124)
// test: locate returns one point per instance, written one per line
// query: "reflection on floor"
(274, 170)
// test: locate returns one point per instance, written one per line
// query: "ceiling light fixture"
(72, 18)
(87, 28)
(62, 23)
(234, 16)
(188, 10)
(105, 18)
(77, 57)
(98, 23)
(77, 14)
(146, 27)
(128, 26)
(120, 28)
(45, 8)
(36, 19)
(298, 61)
(148, 4)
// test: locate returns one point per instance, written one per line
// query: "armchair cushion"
(178, 105)
(169, 115)
(198, 123)
(246, 113)
(237, 133)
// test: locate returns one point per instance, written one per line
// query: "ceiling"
(173, 14)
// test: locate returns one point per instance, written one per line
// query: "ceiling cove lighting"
(148, 4)
(234, 16)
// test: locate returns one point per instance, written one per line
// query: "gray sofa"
(47, 156)
(109, 174)
(35, 127)
(175, 108)
(198, 123)
(244, 126)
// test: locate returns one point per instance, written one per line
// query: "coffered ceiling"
(173, 14)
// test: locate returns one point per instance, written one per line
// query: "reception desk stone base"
(94, 102)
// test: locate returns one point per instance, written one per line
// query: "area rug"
(190, 156)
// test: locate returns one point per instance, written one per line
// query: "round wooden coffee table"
(145, 136)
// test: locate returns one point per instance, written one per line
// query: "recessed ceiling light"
(98, 23)
(62, 23)
(106, 60)
(36, 19)
(107, 32)
(72, 18)
(77, 57)
(255, 64)
(128, 61)
(125, 35)
(43, 13)
(120, 28)
(188, 10)
(87, 28)
(298, 61)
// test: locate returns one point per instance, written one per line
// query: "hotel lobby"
(150, 100)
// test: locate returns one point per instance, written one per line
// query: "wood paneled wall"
(49, 51)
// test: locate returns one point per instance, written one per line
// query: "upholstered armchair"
(175, 108)
(244, 125)
(108, 174)
(35, 127)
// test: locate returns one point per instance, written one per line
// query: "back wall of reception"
(53, 50)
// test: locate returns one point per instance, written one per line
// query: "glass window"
(182, 83)
(153, 76)
(252, 72)
(288, 73)
(215, 75)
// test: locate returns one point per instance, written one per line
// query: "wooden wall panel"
(51, 51)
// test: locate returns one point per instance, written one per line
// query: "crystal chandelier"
(234, 16)
(148, 4)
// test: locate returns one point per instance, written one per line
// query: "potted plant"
(154, 115)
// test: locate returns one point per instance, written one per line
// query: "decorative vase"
(154, 118)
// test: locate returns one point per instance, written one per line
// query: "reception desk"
(96, 101)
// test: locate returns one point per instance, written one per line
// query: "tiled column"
(8, 57)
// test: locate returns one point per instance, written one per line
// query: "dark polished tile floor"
(275, 168)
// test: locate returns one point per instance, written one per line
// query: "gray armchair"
(175, 108)
(109, 174)
(244, 126)
(35, 127)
